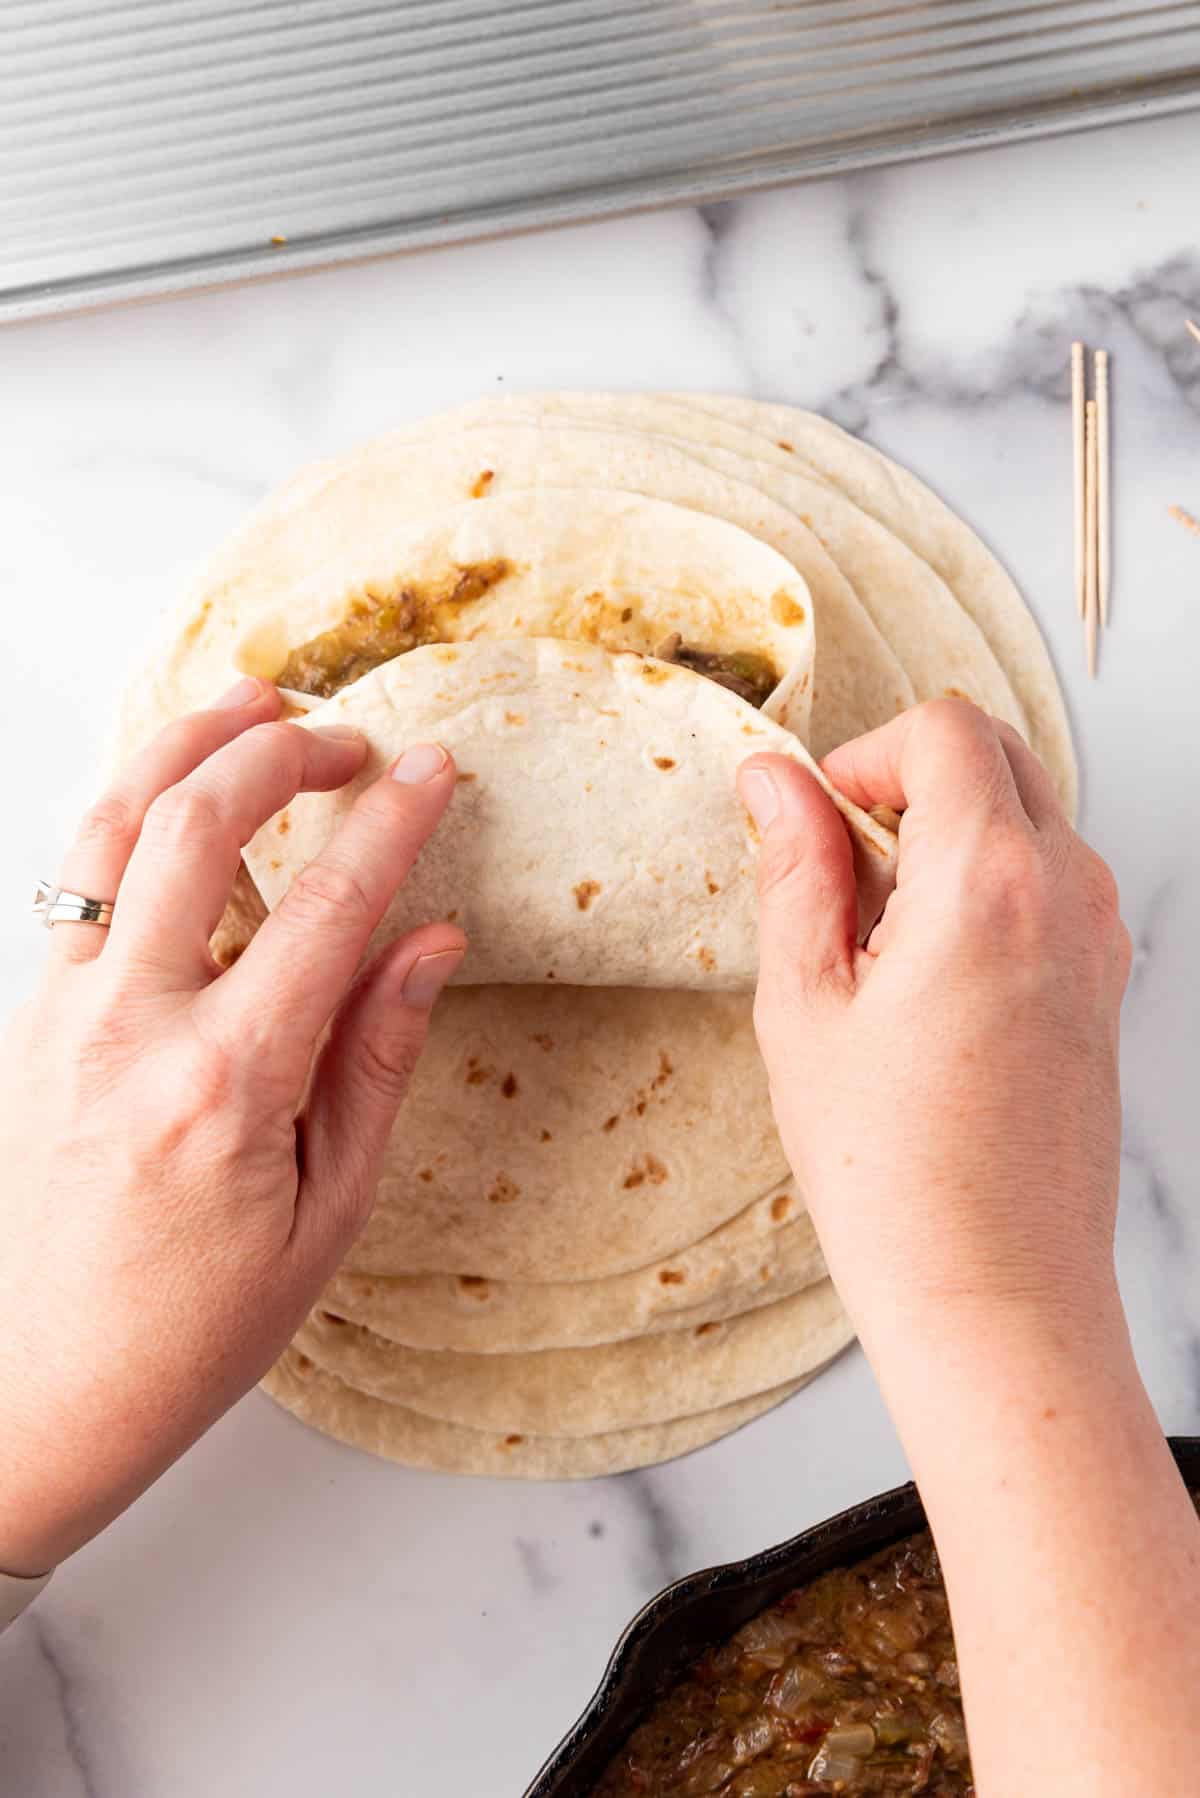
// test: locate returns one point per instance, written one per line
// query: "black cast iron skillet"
(698, 1612)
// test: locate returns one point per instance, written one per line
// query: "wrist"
(1003, 1381)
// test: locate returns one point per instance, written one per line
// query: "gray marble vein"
(56, 1662)
(662, 1556)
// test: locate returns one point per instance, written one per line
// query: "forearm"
(1070, 1548)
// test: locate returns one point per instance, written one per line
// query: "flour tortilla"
(937, 643)
(396, 1434)
(563, 1134)
(766, 1253)
(589, 1391)
(555, 1133)
(336, 521)
(595, 836)
(915, 514)
(715, 1137)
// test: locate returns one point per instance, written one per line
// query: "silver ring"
(54, 905)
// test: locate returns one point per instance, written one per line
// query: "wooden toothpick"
(1103, 511)
(1091, 607)
(1077, 400)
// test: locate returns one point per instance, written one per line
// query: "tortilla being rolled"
(596, 837)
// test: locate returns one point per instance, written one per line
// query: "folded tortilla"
(595, 838)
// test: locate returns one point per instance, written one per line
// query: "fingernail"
(419, 764)
(761, 796)
(241, 693)
(428, 975)
(340, 733)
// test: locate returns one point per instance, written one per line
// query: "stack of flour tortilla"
(586, 1252)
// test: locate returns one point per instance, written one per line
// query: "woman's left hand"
(188, 1153)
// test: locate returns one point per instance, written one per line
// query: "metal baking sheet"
(149, 146)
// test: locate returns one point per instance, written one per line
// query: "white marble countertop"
(284, 1616)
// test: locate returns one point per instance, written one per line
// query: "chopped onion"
(768, 1639)
(793, 1687)
(850, 1738)
(950, 1734)
(894, 1727)
(834, 1766)
(751, 1741)
(840, 1755)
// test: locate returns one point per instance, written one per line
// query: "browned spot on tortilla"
(482, 482)
(303, 1364)
(605, 711)
(542, 1040)
(551, 975)
(664, 762)
(786, 609)
(545, 1136)
(626, 614)
(515, 718)
(276, 864)
(465, 775)
(665, 1070)
(512, 1441)
(655, 672)
(784, 445)
(446, 653)
(764, 1274)
(198, 623)
(475, 1284)
(957, 693)
(706, 1329)
(640, 1108)
(425, 1173)
(611, 1123)
(780, 1206)
(752, 828)
(366, 1288)
(508, 1086)
(649, 1168)
(706, 958)
(585, 892)
(503, 1191)
(710, 883)
(748, 730)
(670, 1276)
(284, 824)
(452, 915)
(477, 1072)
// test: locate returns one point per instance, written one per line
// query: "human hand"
(948, 1096)
(186, 1154)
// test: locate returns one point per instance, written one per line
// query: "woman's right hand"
(948, 1096)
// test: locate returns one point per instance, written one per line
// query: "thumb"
(360, 1078)
(808, 904)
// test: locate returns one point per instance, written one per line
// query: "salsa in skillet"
(847, 1686)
